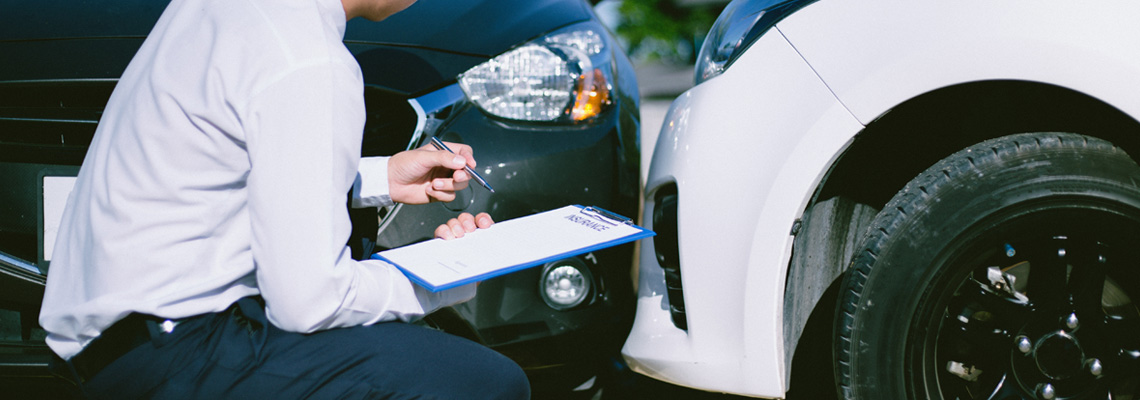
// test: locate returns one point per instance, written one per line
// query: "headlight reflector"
(530, 83)
(562, 77)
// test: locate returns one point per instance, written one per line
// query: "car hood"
(477, 27)
(419, 49)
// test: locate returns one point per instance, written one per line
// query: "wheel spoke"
(1086, 281)
(1125, 388)
(1047, 286)
(1007, 390)
(1123, 332)
(973, 344)
(1123, 348)
(986, 304)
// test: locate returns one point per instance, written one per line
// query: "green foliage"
(664, 29)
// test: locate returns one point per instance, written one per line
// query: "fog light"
(565, 284)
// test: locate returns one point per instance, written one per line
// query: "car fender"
(875, 55)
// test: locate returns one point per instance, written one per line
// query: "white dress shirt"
(220, 170)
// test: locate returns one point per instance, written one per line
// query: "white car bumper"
(745, 150)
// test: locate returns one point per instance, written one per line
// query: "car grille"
(391, 123)
(44, 126)
(48, 126)
(50, 121)
(666, 246)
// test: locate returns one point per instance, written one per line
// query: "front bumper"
(744, 151)
(533, 168)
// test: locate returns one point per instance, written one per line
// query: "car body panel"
(748, 149)
(66, 19)
(732, 301)
(500, 24)
(917, 48)
(476, 27)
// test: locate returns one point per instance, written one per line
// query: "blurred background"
(662, 38)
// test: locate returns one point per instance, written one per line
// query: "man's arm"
(303, 137)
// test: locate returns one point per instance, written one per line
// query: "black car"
(539, 88)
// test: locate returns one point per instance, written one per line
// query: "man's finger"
(444, 232)
(440, 195)
(467, 221)
(456, 227)
(463, 155)
(484, 221)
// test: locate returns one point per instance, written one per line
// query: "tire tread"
(914, 197)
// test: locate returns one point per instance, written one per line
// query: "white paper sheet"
(510, 246)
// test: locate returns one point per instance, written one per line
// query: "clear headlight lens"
(564, 76)
(740, 24)
(565, 284)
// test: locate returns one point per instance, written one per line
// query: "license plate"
(56, 189)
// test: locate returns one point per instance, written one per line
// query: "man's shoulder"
(303, 28)
(297, 29)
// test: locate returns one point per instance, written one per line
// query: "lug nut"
(1071, 321)
(1047, 392)
(1095, 368)
(1024, 345)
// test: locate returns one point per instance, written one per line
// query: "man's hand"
(463, 224)
(425, 174)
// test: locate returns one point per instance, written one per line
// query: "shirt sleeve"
(303, 135)
(371, 186)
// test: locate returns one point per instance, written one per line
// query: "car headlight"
(564, 76)
(737, 27)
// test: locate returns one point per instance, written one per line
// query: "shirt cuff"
(371, 186)
(445, 298)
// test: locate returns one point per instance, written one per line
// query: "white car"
(946, 188)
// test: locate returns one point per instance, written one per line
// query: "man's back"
(164, 185)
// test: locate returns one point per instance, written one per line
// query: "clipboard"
(512, 245)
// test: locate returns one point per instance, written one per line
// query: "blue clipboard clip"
(606, 216)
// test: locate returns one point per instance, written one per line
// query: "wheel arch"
(936, 124)
(924, 130)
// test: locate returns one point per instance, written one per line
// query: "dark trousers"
(238, 354)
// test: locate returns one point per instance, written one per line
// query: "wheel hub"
(1062, 326)
(1058, 355)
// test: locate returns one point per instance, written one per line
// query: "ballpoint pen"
(478, 178)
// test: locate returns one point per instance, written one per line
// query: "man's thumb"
(450, 160)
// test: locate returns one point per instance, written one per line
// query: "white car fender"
(877, 54)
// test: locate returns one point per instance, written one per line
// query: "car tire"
(1005, 271)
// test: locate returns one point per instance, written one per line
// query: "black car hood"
(474, 27)
(429, 44)
(419, 49)
(66, 19)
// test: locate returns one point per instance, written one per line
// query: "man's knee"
(513, 383)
